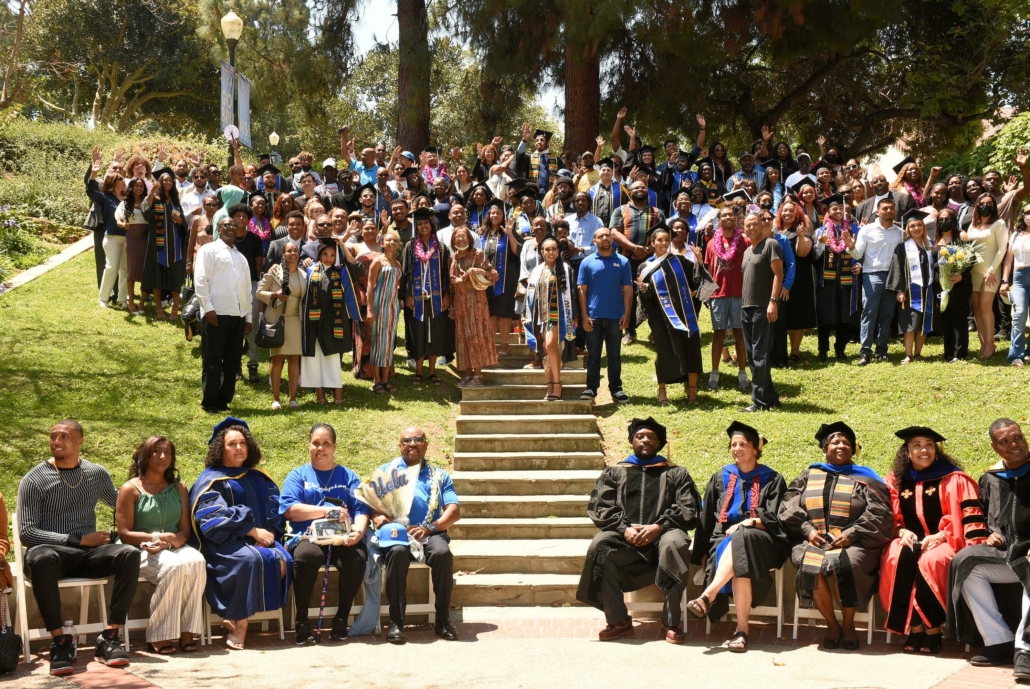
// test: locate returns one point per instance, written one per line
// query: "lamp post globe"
(232, 29)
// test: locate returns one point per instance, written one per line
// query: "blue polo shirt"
(306, 486)
(604, 277)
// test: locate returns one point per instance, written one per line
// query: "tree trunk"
(12, 66)
(413, 75)
(582, 97)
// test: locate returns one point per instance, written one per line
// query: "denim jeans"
(605, 333)
(877, 312)
(758, 345)
(1020, 295)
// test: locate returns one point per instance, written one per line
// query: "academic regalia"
(671, 181)
(528, 165)
(798, 312)
(940, 498)
(501, 295)
(638, 492)
(242, 578)
(868, 524)
(672, 309)
(839, 293)
(165, 264)
(730, 498)
(612, 197)
(329, 306)
(426, 324)
(1005, 501)
(916, 313)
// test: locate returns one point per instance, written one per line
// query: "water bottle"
(69, 628)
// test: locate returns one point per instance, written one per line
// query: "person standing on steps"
(645, 507)
(605, 300)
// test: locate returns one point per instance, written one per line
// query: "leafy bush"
(997, 152)
(19, 247)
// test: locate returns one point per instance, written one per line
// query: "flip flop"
(189, 647)
(166, 650)
(738, 647)
(435, 381)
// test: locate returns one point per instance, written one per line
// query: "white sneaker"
(276, 406)
(101, 303)
(294, 404)
(713, 380)
(743, 382)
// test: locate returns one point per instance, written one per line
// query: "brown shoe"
(674, 635)
(617, 631)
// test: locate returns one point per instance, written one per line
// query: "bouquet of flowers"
(955, 259)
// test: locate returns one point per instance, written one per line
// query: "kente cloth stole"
(636, 232)
(534, 165)
(341, 297)
(832, 261)
(435, 294)
(661, 288)
(501, 262)
(169, 249)
(827, 523)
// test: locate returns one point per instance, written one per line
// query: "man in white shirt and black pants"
(875, 247)
(222, 280)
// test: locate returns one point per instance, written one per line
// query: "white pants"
(116, 266)
(177, 605)
(321, 370)
(978, 595)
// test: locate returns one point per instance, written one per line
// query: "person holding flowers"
(955, 276)
(989, 234)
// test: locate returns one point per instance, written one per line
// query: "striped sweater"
(50, 512)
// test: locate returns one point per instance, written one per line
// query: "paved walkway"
(562, 651)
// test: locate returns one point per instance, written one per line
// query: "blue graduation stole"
(662, 291)
(501, 263)
(435, 290)
(616, 194)
(691, 225)
(652, 198)
(916, 295)
(737, 502)
(475, 218)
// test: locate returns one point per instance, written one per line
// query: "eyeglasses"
(324, 224)
(215, 173)
(413, 441)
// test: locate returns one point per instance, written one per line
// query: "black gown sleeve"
(405, 280)
(769, 507)
(873, 529)
(897, 276)
(684, 512)
(603, 507)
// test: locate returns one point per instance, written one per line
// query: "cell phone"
(563, 244)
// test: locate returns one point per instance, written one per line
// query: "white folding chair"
(658, 606)
(762, 610)
(22, 584)
(868, 617)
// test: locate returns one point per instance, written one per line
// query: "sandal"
(913, 642)
(188, 647)
(738, 643)
(417, 380)
(548, 397)
(379, 389)
(932, 644)
(165, 650)
(663, 399)
(699, 607)
(435, 381)
(476, 382)
(390, 387)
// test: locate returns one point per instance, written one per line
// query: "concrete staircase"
(524, 469)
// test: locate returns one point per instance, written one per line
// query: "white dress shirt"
(191, 199)
(581, 230)
(875, 246)
(221, 278)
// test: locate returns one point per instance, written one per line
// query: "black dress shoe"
(992, 656)
(396, 634)
(445, 631)
(863, 359)
(1022, 665)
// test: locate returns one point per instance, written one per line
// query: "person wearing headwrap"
(237, 528)
(645, 506)
(990, 582)
(936, 513)
(740, 538)
(839, 518)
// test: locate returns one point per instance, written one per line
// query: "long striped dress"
(387, 310)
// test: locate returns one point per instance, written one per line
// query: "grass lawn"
(126, 379)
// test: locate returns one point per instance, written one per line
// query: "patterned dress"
(474, 339)
(387, 310)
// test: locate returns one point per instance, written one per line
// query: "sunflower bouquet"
(955, 259)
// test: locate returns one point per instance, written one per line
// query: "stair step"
(513, 338)
(524, 391)
(518, 361)
(526, 424)
(530, 556)
(525, 407)
(523, 527)
(528, 442)
(522, 376)
(515, 589)
(561, 482)
(511, 506)
(489, 461)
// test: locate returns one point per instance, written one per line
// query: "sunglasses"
(849, 168)
(413, 441)
(324, 224)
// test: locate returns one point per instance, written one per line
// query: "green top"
(159, 512)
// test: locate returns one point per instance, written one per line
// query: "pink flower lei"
(424, 254)
(728, 254)
(833, 236)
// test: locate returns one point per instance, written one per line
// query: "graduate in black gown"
(645, 506)
(838, 277)
(426, 289)
(668, 286)
(740, 538)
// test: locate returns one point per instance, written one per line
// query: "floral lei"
(423, 254)
(737, 241)
(262, 229)
(833, 236)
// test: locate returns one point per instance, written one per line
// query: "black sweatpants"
(221, 351)
(441, 565)
(47, 564)
(350, 566)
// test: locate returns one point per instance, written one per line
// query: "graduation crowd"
(948, 556)
(574, 249)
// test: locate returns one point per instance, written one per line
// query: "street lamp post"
(232, 29)
(273, 139)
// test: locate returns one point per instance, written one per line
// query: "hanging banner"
(226, 110)
(243, 86)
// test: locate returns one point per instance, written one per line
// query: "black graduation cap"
(268, 168)
(526, 190)
(704, 161)
(367, 185)
(749, 432)
(828, 429)
(423, 214)
(915, 214)
(663, 225)
(805, 182)
(606, 162)
(819, 166)
(431, 149)
(326, 242)
(646, 149)
(265, 156)
(771, 162)
(659, 430)
(904, 161)
(907, 434)
(495, 202)
(156, 174)
(736, 194)
(542, 132)
(480, 185)
(834, 200)
(681, 191)
(226, 423)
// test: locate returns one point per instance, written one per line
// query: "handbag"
(10, 643)
(270, 335)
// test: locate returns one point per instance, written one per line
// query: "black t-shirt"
(250, 246)
(758, 273)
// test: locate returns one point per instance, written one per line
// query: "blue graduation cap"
(227, 422)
